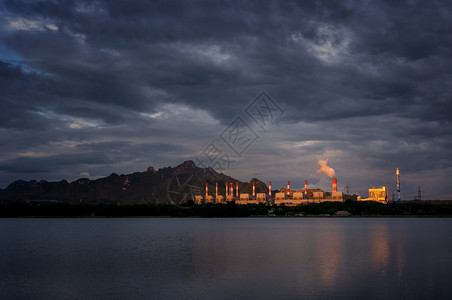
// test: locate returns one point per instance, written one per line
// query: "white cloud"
(182, 113)
(89, 8)
(330, 45)
(38, 25)
(210, 52)
(78, 123)
(34, 154)
(69, 121)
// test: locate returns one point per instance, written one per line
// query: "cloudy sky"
(88, 88)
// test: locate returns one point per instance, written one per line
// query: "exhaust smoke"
(324, 168)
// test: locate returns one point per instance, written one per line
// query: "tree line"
(189, 209)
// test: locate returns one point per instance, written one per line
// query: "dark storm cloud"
(48, 164)
(139, 77)
(158, 44)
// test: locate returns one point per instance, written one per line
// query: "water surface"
(284, 258)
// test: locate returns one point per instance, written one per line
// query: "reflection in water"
(329, 251)
(399, 256)
(387, 249)
(264, 258)
(380, 247)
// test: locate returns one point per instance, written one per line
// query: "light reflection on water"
(226, 258)
(380, 248)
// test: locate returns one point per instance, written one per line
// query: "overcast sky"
(88, 88)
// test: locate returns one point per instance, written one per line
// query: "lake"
(231, 258)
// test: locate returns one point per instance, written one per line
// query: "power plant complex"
(288, 197)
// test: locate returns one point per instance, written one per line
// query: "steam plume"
(324, 168)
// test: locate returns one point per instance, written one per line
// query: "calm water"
(272, 258)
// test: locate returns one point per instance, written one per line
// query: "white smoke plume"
(324, 168)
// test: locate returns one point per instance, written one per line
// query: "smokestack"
(216, 189)
(207, 190)
(231, 189)
(254, 189)
(398, 184)
(237, 188)
(269, 188)
(269, 193)
(227, 189)
(306, 187)
(334, 185)
(288, 187)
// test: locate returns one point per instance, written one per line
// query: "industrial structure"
(398, 184)
(288, 197)
(377, 195)
(285, 196)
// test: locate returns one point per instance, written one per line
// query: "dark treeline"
(139, 210)
(369, 208)
(27, 209)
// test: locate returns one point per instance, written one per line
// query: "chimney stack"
(334, 185)
(207, 190)
(216, 189)
(237, 189)
(269, 188)
(231, 189)
(254, 190)
(288, 187)
(227, 189)
(398, 184)
(305, 187)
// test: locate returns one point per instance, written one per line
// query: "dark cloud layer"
(114, 86)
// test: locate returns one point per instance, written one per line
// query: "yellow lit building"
(377, 195)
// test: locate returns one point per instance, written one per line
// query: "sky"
(260, 89)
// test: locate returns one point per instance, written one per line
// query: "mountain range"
(173, 185)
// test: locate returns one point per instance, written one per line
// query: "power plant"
(285, 196)
(288, 197)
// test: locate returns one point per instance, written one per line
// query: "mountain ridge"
(172, 185)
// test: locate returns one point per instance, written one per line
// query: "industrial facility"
(287, 197)
(377, 195)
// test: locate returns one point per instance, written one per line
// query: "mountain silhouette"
(173, 185)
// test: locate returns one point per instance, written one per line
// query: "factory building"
(261, 197)
(198, 199)
(247, 199)
(335, 195)
(219, 199)
(377, 195)
(298, 196)
(244, 198)
(285, 196)
(318, 196)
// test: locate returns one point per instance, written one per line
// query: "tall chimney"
(334, 185)
(237, 189)
(269, 188)
(305, 187)
(288, 187)
(398, 184)
(254, 190)
(231, 189)
(269, 193)
(207, 190)
(216, 189)
(227, 189)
